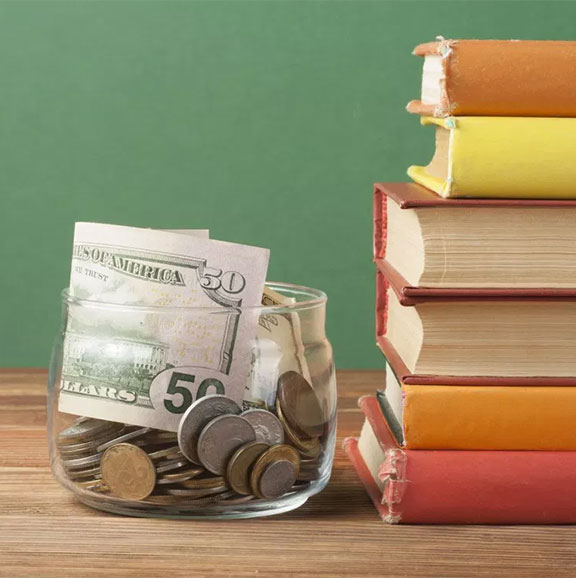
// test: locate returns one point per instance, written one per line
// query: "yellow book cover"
(491, 417)
(501, 157)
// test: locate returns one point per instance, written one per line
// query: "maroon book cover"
(412, 195)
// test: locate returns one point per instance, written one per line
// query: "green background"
(266, 122)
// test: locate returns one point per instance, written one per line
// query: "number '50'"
(185, 394)
(231, 282)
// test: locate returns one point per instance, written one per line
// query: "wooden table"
(45, 532)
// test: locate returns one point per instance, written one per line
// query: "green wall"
(267, 122)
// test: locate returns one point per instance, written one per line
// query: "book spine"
(380, 228)
(374, 493)
(503, 78)
(489, 418)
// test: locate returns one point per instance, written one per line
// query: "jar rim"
(313, 298)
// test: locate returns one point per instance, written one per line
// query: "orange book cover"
(501, 78)
(487, 416)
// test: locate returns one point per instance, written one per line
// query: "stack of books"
(476, 296)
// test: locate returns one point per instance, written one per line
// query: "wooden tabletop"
(45, 532)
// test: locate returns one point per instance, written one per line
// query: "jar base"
(225, 513)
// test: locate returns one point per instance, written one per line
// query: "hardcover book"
(520, 340)
(497, 78)
(460, 487)
(480, 417)
(501, 157)
(497, 247)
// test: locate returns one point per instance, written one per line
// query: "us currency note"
(183, 335)
(278, 348)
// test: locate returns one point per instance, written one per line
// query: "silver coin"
(82, 462)
(266, 425)
(124, 438)
(197, 416)
(180, 476)
(84, 429)
(220, 439)
(172, 452)
(171, 465)
(81, 474)
(277, 479)
(196, 493)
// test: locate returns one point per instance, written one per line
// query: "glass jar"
(132, 432)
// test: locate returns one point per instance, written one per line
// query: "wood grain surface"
(45, 532)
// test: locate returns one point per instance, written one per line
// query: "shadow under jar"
(147, 418)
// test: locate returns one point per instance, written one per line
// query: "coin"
(172, 451)
(124, 438)
(78, 463)
(266, 425)
(197, 416)
(89, 446)
(170, 465)
(157, 436)
(91, 485)
(300, 405)
(276, 479)
(80, 474)
(274, 454)
(196, 492)
(180, 476)
(197, 483)
(309, 447)
(238, 500)
(190, 501)
(240, 464)
(128, 472)
(220, 439)
(84, 429)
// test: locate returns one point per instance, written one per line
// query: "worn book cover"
(497, 78)
(460, 487)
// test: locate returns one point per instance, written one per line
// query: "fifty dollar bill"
(183, 335)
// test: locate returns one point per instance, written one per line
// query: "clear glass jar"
(131, 433)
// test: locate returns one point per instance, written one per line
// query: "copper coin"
(220, 439)
(240, 464)
(128, 472)
(197, 417)
(274, 454)
(276, 479)
(266, 425)
(308, 447)
(300, 405)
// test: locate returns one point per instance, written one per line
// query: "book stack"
(476, 296)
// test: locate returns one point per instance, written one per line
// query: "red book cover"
(412, 195)
(465, 487)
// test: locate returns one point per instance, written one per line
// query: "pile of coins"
(219, 454)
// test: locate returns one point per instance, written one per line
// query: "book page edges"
(420, 175)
